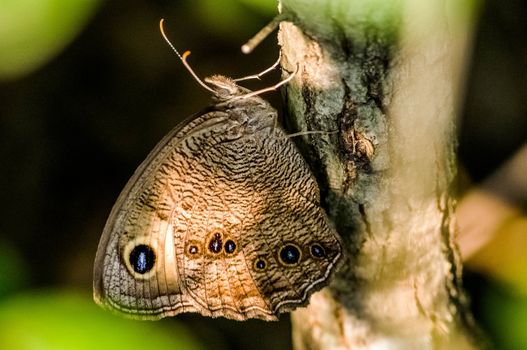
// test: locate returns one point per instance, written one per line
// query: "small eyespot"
(289, 254)
(260, 264)
(216, 243)
(193, 249)
(317, 251)
(142, 258)
(230, 246)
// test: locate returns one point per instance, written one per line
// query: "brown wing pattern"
(223, 218)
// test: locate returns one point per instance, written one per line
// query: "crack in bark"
(365, 219)
(316, 163)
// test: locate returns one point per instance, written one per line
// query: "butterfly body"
(223, 218)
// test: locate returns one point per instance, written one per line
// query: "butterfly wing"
(222, 218)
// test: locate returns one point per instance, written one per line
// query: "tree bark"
(386, 77)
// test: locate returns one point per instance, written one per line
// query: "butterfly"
(222, 218)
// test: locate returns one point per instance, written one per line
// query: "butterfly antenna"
(183, 58)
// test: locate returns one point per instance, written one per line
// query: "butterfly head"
(224, 87)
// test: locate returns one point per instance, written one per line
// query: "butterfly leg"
(262, 73)
(271, 88)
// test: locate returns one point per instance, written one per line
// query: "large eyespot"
(317, 251)
(142, 258)
(139, 255)
(230, 246)
(289, 254)
(216, 243)
(260, 264)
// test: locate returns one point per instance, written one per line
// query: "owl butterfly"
(223, 218)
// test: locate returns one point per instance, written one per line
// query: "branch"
(386, 75)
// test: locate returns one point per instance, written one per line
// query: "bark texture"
(385, 76)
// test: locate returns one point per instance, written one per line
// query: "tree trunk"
(386, 76)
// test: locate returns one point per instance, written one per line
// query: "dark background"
(73, 131)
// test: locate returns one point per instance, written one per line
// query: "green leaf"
(63, 320)
(34, 31)
(505, 313)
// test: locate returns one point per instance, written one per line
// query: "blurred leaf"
(506, 316)
(34, 31)
(503, 257)
(65, 320)
(13, 271)
(266, 7)
(230, 16)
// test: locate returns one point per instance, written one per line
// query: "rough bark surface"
(386, 175)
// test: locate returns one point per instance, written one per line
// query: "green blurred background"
(88, 87)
